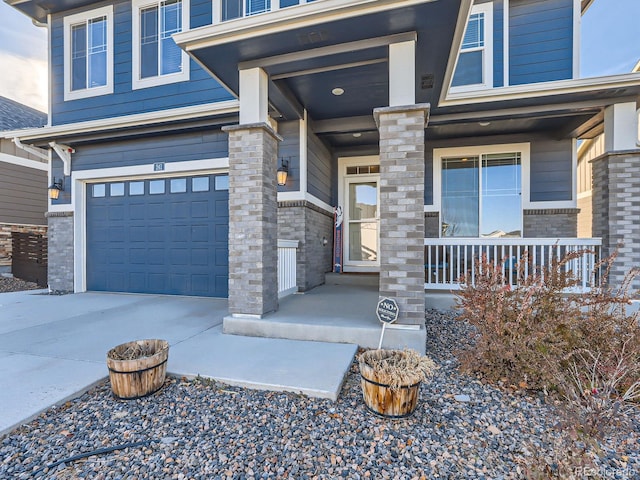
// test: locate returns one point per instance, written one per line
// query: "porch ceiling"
(305, 62)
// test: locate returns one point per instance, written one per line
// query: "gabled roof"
(14, 115)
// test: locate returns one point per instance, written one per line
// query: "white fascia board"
(139, 119)
(542, 89)
(303, 15)
(23, 162)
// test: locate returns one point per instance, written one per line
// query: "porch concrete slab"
(342, 310)
(53, 348)
(311, 368)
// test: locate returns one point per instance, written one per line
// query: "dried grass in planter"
(134, 351)
(396, 368)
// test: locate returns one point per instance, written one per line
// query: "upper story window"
(157, 60)
(88, 53)
(474, 68)
(230, 9)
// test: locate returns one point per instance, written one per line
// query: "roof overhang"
(38, 10)
(197, 116)
(309, 49)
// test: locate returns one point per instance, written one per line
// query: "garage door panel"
(171, 241)
(199, 209)
(222, 209)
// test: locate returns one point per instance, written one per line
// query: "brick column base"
(616, 210)
(253, 220)
(402, 208)
(60, 251)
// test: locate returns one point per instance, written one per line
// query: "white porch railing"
(224, 10)
(287, 261)
(449, 259)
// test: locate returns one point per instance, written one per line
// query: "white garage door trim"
(81, 178)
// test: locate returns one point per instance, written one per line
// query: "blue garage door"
(167, 236)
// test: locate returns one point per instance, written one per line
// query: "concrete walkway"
(53, 348)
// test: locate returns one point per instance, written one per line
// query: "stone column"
(253, 220)
(402, 208)
(60, 247)
(616, 210)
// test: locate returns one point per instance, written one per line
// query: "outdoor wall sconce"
(283, 172)
(56, 187)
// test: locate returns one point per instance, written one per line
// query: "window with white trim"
(157, 60)
(88, 54)
(474, 68)
(481, 191)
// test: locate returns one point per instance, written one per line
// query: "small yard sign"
(387, 310)
(387, 313)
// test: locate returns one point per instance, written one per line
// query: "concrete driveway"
(54, 347)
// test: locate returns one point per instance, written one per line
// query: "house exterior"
(441, 129)
(23, 180)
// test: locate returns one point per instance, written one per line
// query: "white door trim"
(343, 179)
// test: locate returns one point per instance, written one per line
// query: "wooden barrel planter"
(390, 395)
(137, 369)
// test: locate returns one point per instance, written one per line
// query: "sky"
(610, 45)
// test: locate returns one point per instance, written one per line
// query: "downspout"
(35, 151)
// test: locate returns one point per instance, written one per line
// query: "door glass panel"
(460, 199)
(501, 199)
(363, 241)
(363, 201)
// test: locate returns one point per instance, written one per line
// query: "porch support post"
(253, 203)
(402, 73)
(616, 188)
(253, 220)
(401, 252)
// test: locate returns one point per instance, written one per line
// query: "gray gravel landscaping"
(9, 284)
(204, 430)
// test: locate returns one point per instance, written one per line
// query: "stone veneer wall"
(402, 169)
(5, 239)
(616, 210)
(551, 223)
(60, 233)
(253, 218)
(308, 224)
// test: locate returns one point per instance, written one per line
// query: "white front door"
(362, 223)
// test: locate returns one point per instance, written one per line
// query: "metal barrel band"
(137, 397)
(389, 386)
(138, 371)
(384, 415)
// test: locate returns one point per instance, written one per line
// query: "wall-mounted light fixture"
(55, 188)
(283, 172)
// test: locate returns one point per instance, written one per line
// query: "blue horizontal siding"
(289, 149)
(540, 41)
(201, 88)
(319, 169)
(167, 148)
(550, 165)
(498, 43)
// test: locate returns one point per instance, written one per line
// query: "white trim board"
(23, 162)
(138, 119)
(137, 82)
(300, 196)
(81, 178)
(525, 151)
(79, 18)
(304, 15)
(542, 89)
(487, 52)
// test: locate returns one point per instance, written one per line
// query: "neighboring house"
(591, 148)
(437, 126)
(23, 180)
